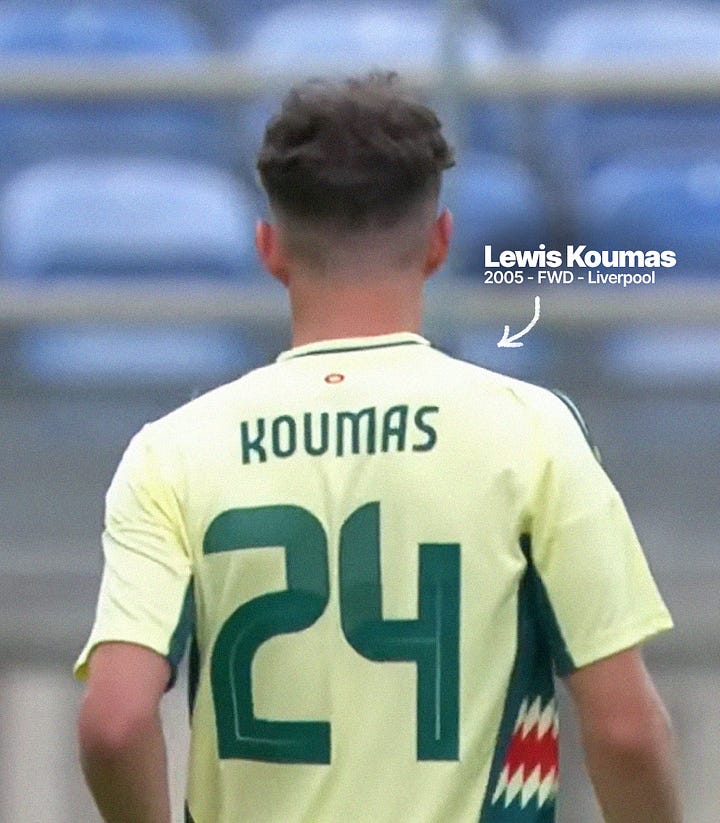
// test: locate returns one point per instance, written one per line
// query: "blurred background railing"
(128, 284)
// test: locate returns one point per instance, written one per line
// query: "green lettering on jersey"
(395, 427)
(432, 641)
(426, 428)
(240, 733)
(254, 444)
(310, 447)
(284, 436)
(354, 419)
(355, 432)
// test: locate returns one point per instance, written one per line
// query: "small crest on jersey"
(530, 771)
(334, 378)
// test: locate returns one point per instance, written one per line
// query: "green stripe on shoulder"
(183, 630)
(545, 614)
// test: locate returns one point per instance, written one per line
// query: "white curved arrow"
(513, 342)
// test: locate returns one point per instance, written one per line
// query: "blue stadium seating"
(578, 137)
(33, 130)
(495, 200)
(230, 21)
(584, 135)
(80, 356)
(86, 220)
(318, 38)
(526, 24)
(637, 31)
(29, 27)
(669, 201)
(82, 218)
(356, 36)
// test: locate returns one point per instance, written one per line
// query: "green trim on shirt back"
(357, 348)
(580, 420)
(548, 624)
(537, 653)
(345, 345)
(193, 671)
(183, 630)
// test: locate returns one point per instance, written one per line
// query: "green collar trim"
(348, 344)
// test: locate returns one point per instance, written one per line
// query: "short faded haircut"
(352, 155)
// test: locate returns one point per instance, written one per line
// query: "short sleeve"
(146, 589)
(592, 574)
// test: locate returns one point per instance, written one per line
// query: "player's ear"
(440, 235)
(270, 251)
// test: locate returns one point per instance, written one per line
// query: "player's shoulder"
(531, 397)
(543, 409)
(211, 408)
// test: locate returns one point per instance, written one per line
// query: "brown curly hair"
(352, 154)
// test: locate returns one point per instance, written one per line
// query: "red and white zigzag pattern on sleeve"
(530, 769)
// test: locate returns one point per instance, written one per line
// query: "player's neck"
(329, 310)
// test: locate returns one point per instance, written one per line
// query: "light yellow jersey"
(382, 555)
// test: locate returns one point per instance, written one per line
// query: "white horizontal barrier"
(223, 76)
(682, 302)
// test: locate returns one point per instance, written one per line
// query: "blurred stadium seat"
(308, 39)
(111, 217)
(526, 24)
(80, 31)
(90, 28)
(124, 219)
(583, 135)
(344, 36)
(495, 200)
(638, 31)
(671, 201)
(88, 356)
(227, 20)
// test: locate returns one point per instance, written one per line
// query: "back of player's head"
(352, 156)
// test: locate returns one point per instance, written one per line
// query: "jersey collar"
(347, 344)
